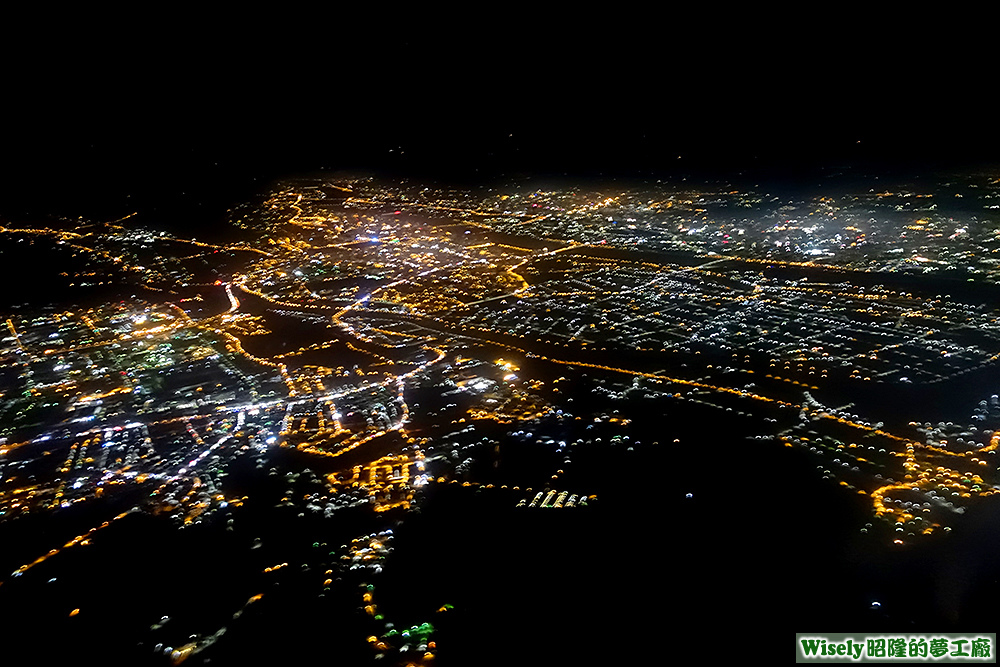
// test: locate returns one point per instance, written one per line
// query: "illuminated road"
(233, 301)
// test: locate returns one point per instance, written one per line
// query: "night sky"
(186, 118)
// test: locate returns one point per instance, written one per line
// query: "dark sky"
(178, 116)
